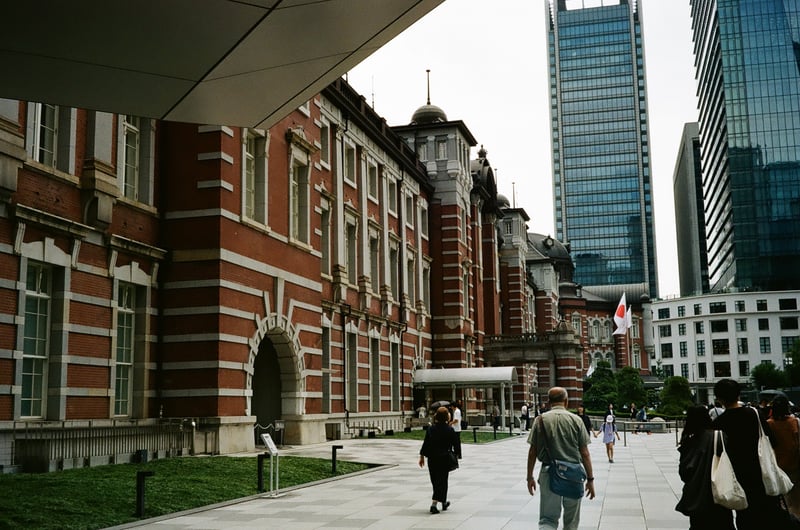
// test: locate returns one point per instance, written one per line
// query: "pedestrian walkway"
(637, 492)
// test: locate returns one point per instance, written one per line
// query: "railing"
(48, 446)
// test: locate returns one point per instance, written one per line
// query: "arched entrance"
(265, 403)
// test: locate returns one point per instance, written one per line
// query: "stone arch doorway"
(275, 377)
(265, 403)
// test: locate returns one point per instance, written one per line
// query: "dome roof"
(550, 247)
(502, 201)
(428, 114)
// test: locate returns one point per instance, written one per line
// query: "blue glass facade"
(601, 159)
(748, 73)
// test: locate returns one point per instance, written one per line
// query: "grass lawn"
(105, 496)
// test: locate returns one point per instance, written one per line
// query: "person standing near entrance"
(439, 440)
(456, 424)
(566, 440)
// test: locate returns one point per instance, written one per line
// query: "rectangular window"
(325, 143)
(739, 306)
(411, 275)
(45, 140)
(684, 349)
(702, 370)
(352, 372)
(764, 345)
(720, 347)
(741, 324)
(352, 254)
(742, 346)
(761, 305)
(372, 180)
(298, 199)
(698, 309)
(744, 368)
(36, 338)
(698, 327)
(392, 195)
(576, 324)
(666, 351)
(395, 359)
(719, 326)
(716, 307)
(665, 331)
(722, 369)
(422, 150)
(394, 263)
(663, 313)
(350, 164)
(326, 370)
(685, 370)
(131, 131)
(254, 175)
(788, 344)
(763, 324)
(669, 370)
(423, 221)
(325, 240)
(681, 329)
(410, 212)
(788, 322)
(441, 149)
(787, 304)
(126, 316)
(426, 287)
(374, 263)
(375, 373)
(700, 345)
(681, 310)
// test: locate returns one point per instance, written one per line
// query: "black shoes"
(434, 509)
(445, 506)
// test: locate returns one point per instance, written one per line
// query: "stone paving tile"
(637, 492)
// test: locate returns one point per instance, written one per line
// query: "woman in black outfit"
(440, 438)
(696, 450)
(587, 421)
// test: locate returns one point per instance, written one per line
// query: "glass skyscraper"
(601, 157)
(747, 55)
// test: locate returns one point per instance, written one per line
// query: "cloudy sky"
(488, 63)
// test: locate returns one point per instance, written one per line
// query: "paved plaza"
(638, 491)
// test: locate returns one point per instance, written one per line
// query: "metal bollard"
(474, 435)
(333, 457)
(140, 476)
(261, 458)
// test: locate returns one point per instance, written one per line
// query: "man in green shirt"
(567, 440)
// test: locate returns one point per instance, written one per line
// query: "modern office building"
(601, 161)
(714, 336)
(690, 228)
(748, 74)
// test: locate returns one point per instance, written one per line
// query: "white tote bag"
(725, 488)
(776, 482)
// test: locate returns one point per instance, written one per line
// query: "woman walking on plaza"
(609, 430)
(440, 441)
(696, 449)
(787, 451)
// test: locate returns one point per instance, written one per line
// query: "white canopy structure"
(501, 377)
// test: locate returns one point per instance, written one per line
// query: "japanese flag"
(621, 317)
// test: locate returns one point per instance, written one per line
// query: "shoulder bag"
(566, 478)
(725, 488)
(776, 482)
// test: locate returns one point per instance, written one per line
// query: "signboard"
(269, 444)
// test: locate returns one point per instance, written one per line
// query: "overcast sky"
(488, 63)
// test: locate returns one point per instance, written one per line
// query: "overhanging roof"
(224, 62)
(465, 377)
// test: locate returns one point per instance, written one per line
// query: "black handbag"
(566, 478)
(452, 461)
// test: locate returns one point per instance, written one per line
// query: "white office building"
(715, 336)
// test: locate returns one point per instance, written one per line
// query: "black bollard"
(261, 458)
(333, 457)
(474, 435)
(140, 476)
(511, 428)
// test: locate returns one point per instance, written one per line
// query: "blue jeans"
(550, 506)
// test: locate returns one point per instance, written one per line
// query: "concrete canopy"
(221, 62)
(465, 377)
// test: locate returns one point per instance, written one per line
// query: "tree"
(603, 389)
(630, 387)
(676, 396)
(767, 375)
